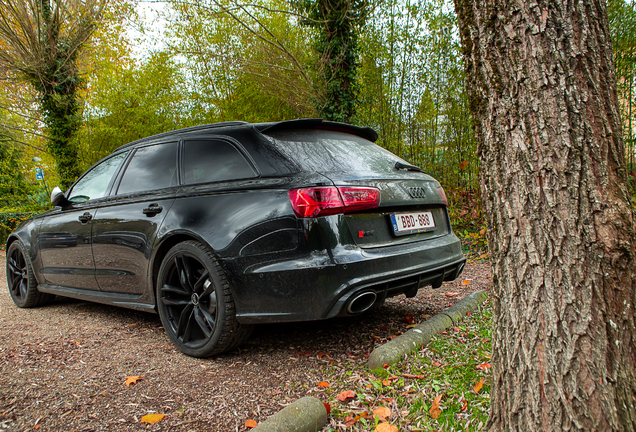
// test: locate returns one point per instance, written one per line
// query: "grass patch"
(450, 369)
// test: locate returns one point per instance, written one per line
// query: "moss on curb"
(392, 351)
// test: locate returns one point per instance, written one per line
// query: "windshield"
(330, 151)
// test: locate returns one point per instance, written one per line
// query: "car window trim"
(223, 138)
(134, 151)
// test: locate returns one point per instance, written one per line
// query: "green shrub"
(10, 218)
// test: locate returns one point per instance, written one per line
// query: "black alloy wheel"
(20, 279)
(195, 303)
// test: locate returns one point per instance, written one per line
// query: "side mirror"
(57, 197)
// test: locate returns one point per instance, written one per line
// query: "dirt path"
(63, 366)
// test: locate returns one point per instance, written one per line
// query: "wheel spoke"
(13, 266)
(188, 330)
(183, 270)
(198, 284)
(199, 317)
(172, 302)
(183, 319)
(173, 290)
(15, 285)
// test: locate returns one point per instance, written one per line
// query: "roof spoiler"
(318, 123)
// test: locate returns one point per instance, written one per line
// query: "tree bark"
(540, 79)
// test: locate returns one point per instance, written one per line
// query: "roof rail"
(189, 129)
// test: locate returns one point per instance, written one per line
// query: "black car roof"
(315, 123)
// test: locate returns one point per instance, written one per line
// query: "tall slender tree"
(542, 90)
(39, 42)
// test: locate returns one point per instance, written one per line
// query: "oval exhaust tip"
(361, 302)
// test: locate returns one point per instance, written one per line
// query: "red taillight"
(325, 201)
(442, 195)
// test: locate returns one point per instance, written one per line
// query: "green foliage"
(244, 62)
(413, 91)
(622, 19)
(128, 102)
(338, 23)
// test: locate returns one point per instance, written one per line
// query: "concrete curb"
(305, 415)
(395, 349)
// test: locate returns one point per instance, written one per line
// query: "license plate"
(411, 223)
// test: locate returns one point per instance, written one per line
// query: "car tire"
(195, 303)
(23, 287)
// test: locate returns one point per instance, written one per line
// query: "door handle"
(85, 217)
(152, 210)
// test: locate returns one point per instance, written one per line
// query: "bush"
(10, 218)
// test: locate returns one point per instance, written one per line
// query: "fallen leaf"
(304, 353)
(435, 410)
(383, 413)
(386, 427)
(482, 232)
(345, 395)
(323, 384)
(466, 282)
(386, 382)
(484, 366)
(250, 424)
(351, 420)
(468, 313)
(479, 385)
(464, 407)
(410, 326)
(151, 418)
(436, 364)
(385, 365)
(451, 294)
(327, 407)
(322, 354)
(409, 319)
(349, 354)
(132, 380)
(408, 375)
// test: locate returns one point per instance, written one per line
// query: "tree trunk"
(540, 78)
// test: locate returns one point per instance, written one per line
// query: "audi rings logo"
(416, 192)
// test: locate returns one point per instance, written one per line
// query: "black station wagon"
(223, 226)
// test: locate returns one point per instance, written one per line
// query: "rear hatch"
(411, 206)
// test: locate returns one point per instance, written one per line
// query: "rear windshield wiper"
(399, 165)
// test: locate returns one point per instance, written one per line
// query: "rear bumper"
(321, 284)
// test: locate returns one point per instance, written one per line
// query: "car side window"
(94, 184)
(207, 161)
(151, 167)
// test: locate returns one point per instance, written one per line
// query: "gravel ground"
(64, 366)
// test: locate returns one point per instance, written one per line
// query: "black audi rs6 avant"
(223, 226)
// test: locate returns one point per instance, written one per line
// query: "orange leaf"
(323, 384)
(250, 424)
(436, 364)
(451, 294)
(408, 375)
(464, 407)
(151, 418)
(409, 319)
(385, 365)
(468, 313)
(484, 366)
(132, 380)
(327, 407)
(322, 354)
(479, 385)
(345, 395)
(435, 410)
(466, 282)
(386, 382)
(386, 427)
(382, 412)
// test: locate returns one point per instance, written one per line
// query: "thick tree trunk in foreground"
(542, 90)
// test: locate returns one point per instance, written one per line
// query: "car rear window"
(331, 151)
(214, 160)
